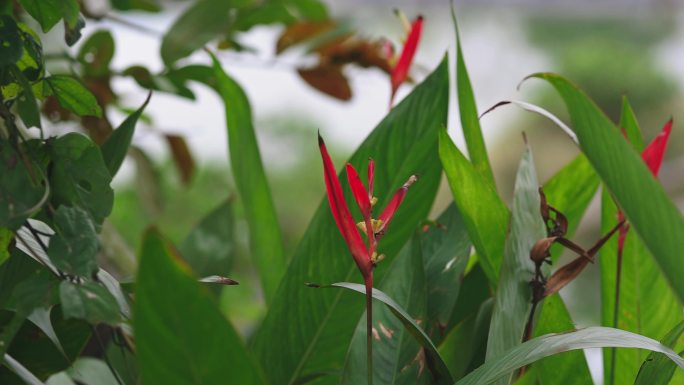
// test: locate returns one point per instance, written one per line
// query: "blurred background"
(610, 48)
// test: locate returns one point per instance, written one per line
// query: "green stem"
(616, 313)
(369, 325)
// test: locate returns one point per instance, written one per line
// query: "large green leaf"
(73, 95)
(264, 230)
(657, 369)
(651, 213)
(89, 301)
(74, 246)
(484, 213)
(512, 301)
(470, 121)
(115, 148)
(20, 194)
(49, 12)
(394, 351)
(404, 143)
(544, 346)
(183, 338)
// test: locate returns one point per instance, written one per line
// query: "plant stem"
(616, 313)
(369, 325)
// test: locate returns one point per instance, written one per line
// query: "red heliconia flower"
(653, 156)
(400, 70)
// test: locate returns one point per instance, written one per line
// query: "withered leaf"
(182, 157)
(328, 79)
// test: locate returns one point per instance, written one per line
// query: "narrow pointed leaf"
(404, 143)
(550, 344)
(650, 211)
(115, 148)
(183, 338)
(484, 213)
(657, 369)
(248, 170)
(512, 301)
(629, 123)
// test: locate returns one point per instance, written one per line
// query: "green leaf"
(629, 123)
(441, 373)
(651, 213)
(569, 368)
(91, 371)
(143, 5)
(470, 121)
(250, 179)
(10, 41)
(79, 176)
(73, 95)
(313, 10)
(26, 102)
(512, 301)
(446, 249)
(20, 191)
(72, 32)
(484, 213)
(74, 247)
(6, 237)
(394, 351)
(541, 347)
(46, 12)
(88, 301)
(657, 369)
(403, 144)
(21, 371)
(199, 24)
(209, 248)
(115, 148)
(183, 338)
(96, 53)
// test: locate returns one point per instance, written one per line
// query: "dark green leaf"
(651, 213)
(10, 41)
(441, 372)
(209, 248)
(6, 237)
(73, 95)
(20, 191)
(26, 102)
(470, 122)
(484, 213)
(395, 354)
(37, 290)
(250, 179)
(115, 148)
(183, 338)
(198, 25)
(541, 347)
(30, 62)
(512, 301)
(143, 5)
(96, 53)
(88, 301)
(657, 369)
(79, 176)
(21, 371)
(74, 246)
(403, 144)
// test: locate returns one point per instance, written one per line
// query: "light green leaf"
(484, 213)
(441, 374)
(91, 371)
(115, 148)
(183, 338)
(512, 300)
(403, 144)
(470, 121)
(657, 369)
(541, 347)
(629, 123)
(46, 12)
(74, 246)
(650, 211)
(73, 95)
(88, 301)
(394, 351)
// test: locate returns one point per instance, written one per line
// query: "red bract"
(400, 71)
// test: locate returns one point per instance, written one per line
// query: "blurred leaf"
(27, 107)
(72, 30)
(309, 9)
(10, 41)
(301, 31)
(484, 213)
(440, 372)
(79, 176)
(88, 301)
(630, 125)
(115, 148)
(328, 79)
(209, 248)
(96, 53)
(200, 23)
(21, 371)
(550, 344)
(169, 81)
(147, 183)
(91, 371)
(512, 301)
(397, 357)
(470, 122)
(143, 5)
(569, 368)
(263, 14)
(265, 237)
(657, 369)
(73, 95)
(74, 247)
(20, 194)
(48, 12)
(651, 213)
(184, 338)
(182, 157)
(446, 249)
(403, 144)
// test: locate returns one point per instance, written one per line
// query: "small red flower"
(400, 71)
